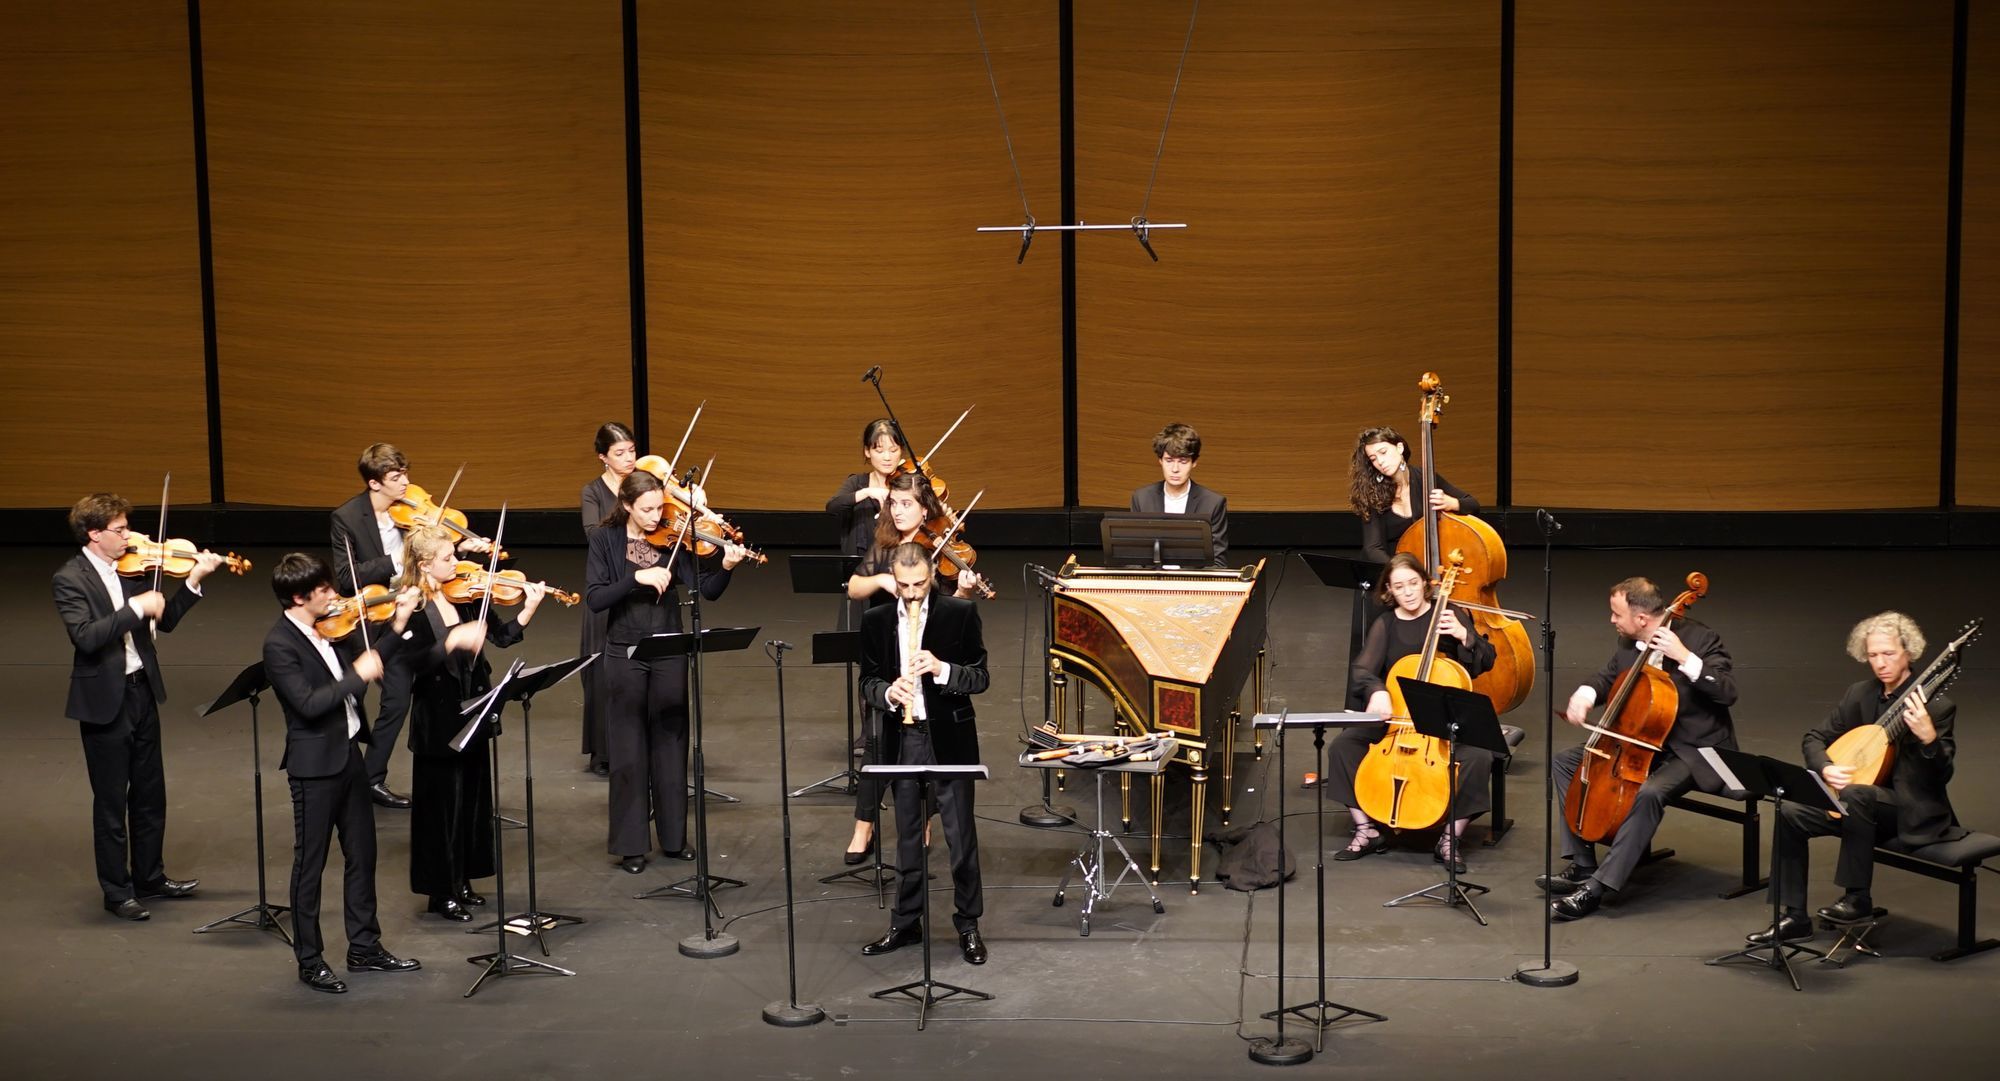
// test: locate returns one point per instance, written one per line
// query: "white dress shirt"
(1175, 504)
(108, 574)
(326, 654)
(392, 541)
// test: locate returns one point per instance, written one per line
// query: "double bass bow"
(1512, 676)
(1405, 781)
(1618, 753)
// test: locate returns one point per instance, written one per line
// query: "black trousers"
(868, 790)
(1869, 819)
(1671, 777)
(320, 806)
(451, 819)
(389, 719)
(953, 802)
(1345, 751)
(646, 743)
(594, 624)
(128, 786)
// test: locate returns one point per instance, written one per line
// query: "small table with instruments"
(1098, 885)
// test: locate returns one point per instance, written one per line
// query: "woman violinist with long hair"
(619, 452)
(630, 579)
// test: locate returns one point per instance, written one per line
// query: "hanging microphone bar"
(1139, 228)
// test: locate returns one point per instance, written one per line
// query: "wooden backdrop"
(1728, 253)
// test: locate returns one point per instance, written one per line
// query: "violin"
(1512, 676)
(416, 508)
(944, 537)
(175, 558)
(1405, 782)
(378, 605)
(685, 512)
(470, 581)
(1618, 755)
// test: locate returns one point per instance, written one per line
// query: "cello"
(1618, 753)
(1405, 782)
(1512, 676)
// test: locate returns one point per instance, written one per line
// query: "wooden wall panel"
(1338, 167)
(1979, 285)
(1729, 253)
(101, 378)
(813, 176)
(419, 218)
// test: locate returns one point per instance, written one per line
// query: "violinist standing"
(115, 689)
(364, 524)
(451, 790)
(1699, 664)
(1178, 448)
(633, 583)
(855, 505)
(619, 452)
(908, 505)
(1910, 808)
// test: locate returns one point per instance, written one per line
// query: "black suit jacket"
(315, 722)
(1702, 718)
(1202, 503)
(953, 633)
(354, 522)
(1923, 812)
(97, 629)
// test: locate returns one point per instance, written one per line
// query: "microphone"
(688, 481)
(779, 644)
(1140, 230)
(1547, 521)
(1027, 238)
(872, 375)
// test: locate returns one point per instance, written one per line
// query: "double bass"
(1512, 676)
(1405, 782)
(1618, 753)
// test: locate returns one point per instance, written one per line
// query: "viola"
(1512, 676)
(377, 605)
(470, 581)
(952, 555)
(685, 512)
(1618, 754)
(174, 558)
(1406, 781)
(416, 508)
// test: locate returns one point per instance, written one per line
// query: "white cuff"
(1691, 668)
(1586, 694)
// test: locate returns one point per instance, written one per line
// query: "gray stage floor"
(84, 995)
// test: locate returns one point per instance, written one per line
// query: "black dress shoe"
(384, 798)
(633, 864)
(450, 909)
(1792, 927)
(1849, 909)
(896, 939)
(465, 896)
(1362, 845)
(1568, 880)
(128, 909)
(321, 978)
(1577, 905)
(685, 854)
(974, 947)
(852, 858)
(381, 960)
(167, 887)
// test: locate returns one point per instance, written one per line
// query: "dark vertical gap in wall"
(1503, 428)
(635, 231)
(1954, 210)
(212, 375)
(1066, 104)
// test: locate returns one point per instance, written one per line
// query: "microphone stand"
(1550, 973)
(788, 1013)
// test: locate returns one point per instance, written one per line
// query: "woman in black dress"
(451, 791)
(1379, 480)
(1406, 593)
(860, 496)
(618, 451)
(645, 702)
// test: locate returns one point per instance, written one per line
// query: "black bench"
(1745, 814)
(1498, 823)
(1951, 861)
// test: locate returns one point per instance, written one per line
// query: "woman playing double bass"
(1380, 486)
(1405, 593)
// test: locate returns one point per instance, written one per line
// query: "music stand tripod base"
(510, 964)
(258, 917)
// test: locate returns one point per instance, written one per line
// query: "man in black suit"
(324, 730)
(1910, 806)
(1178, 447)
(932, 670)
(1699, 665)
(115, 689)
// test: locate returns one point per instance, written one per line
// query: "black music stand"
(844, 647)
(1359, 575)
(523, 689)
(1322, 1012)
(262, 916)
(1156, 540)
(1458, 717)
(928, 991)
(701, 885)
(1768, 778)
(829, 574)
(485, 710)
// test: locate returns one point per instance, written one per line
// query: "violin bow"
(446, 501)
(492, 563)
(675, 460)
(948, 431)
(161, 540)
(957, 523)
(361, 607)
